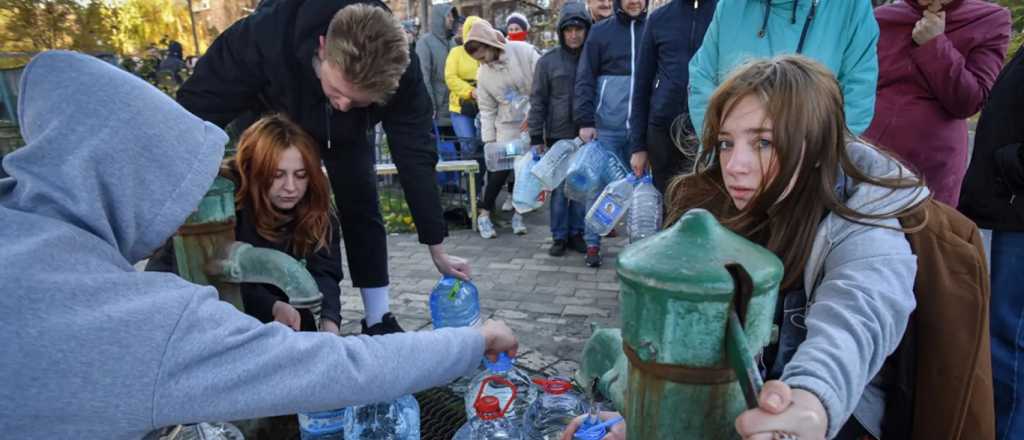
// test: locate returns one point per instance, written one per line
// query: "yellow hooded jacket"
(459, 70)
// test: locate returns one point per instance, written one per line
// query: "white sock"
(375, 303)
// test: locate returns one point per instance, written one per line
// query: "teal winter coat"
(841, 34)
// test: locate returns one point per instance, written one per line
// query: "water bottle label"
(510, 150)
(608, 210)
(322, 422)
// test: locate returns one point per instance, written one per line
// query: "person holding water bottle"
(551, 119)
(781, 168)
(97, 349)
(504, 83)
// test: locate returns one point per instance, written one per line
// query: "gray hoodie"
(861, 299)
(93, 349)
(432, 49)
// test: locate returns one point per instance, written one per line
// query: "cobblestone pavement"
(550, 302)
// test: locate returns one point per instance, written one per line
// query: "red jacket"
(925, 93)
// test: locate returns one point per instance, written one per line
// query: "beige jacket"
(499, 122)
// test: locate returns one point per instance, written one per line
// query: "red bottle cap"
(488, 408)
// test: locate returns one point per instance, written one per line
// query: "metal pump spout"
(238, 262)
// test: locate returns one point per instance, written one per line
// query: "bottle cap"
(555, 386)
(488, 408)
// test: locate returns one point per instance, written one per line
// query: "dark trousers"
(666, 160)
(354, 182)
(495, 180)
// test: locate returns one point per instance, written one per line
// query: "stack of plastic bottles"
(396, 420)
(548, 416)
(454, 303)
(611, 205)
(554, 166)
(591, 169)
(501, 156)
(484, 385)
(527, 194)
(645, 212)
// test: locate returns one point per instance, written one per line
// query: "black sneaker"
(577, 243)
(593, 256)
(387, 325)
(558, 248)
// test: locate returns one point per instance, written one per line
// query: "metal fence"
(454, 186)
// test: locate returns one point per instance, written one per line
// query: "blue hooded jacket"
(604, 77)
(92, 348)
(841, 34)
(672, 35)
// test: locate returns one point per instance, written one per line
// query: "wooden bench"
(470, 167)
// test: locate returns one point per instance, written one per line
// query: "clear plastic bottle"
(611, 205)
(554, 165)
(396, 420)
(518, 105)
(454, 303)
(527, 192)
(322, 425)
(585, 176)
(548, 416)
(644, 217)
(501, 156)
(504, 381)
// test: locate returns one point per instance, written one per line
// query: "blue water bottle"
(454, 303)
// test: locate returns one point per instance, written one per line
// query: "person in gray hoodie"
(780, 167)
(432, 49)
(94, 349)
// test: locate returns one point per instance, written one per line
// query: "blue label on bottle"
(608, 210)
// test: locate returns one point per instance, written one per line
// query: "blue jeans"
(566, 215)
(469, 143)
(618, 143)
(1007, 328)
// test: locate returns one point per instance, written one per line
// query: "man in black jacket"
(551, 120)
(337, 67)
(672, 35)
(992, 196)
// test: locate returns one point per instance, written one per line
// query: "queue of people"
(810, 127)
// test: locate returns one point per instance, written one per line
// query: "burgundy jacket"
(926, 93)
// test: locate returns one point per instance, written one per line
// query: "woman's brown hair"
(306, 228)
(804, 102)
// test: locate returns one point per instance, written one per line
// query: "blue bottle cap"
(504, 363)
(648, 179)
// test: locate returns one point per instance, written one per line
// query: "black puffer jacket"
(264, 62)
(554, 83)
(993, 191)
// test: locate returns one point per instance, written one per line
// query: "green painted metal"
(676, 296)
(208, 254)
(604, 361)
(244, 263)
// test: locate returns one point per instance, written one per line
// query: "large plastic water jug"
(396, 420)
(527, 194)
(501, 156)
(645, 211)
(585, 178)
(554, 165)
(514, 386)
(454, 303)
(518, 105)
(611, 205)
(489, 423)
(549, 414)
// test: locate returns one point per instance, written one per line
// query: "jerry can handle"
(502, 381)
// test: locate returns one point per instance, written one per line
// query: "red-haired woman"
(282, 202)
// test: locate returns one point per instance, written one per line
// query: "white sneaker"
(518, 227)
(486, 228)
(507, 206)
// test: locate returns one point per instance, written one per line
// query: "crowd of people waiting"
(810, 127)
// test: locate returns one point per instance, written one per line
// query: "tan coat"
(513, 70)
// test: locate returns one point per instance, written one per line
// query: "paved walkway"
(550, 302)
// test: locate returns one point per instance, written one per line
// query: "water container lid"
(504, 363)
(556, 386)
(488, 407)
(647, 179)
